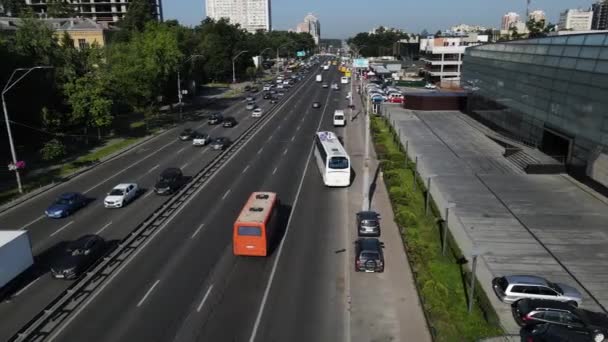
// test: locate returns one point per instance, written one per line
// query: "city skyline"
(409, 16)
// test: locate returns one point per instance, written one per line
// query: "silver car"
(251, 106)
(510, 289)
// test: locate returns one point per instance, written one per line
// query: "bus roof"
(257, 207)
(332, 145)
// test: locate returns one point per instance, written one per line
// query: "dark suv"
(368, 255)
(582, 322)
(215, 119)
(170, 181)
(368, 223)
(551, 333)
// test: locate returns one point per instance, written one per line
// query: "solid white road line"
(27, 286)
(153, 168)
(104, 228)
(185, 165)
(62, 228)
(245, 169)
(293, 138)
(285, 152)
(180, 150)
(197, 230)
(274, 171)
(226, 194)
(261, 149)
(200, 306)
(258, 319)
(31, 223)
(148, 293)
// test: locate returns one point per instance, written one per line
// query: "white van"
(339, 119)
(344, 80)
(319, 78)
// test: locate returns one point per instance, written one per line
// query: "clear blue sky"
(345, 18)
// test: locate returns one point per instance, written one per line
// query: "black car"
(368, 223)
(220, 143)
(368, 255)
(267, 96)
(274, 100)
(316, 104)
(187, 134)
(215, 119)
(229, 121)
(66, 204)
(551, 333)
(528, 312)
(169, 181)
(78, 256)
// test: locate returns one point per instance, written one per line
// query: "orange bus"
(254, 228)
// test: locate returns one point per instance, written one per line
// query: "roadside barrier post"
(475, 254)
(427, 198)
(444, 237)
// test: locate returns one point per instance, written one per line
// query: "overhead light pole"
(179, 83)
(8, 86)
(278, 49)
(233, 65)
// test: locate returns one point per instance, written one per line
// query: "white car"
(121, 195)
(280, 86)
(257, 113)
(266, 87)
(200, 139)
(430, 86)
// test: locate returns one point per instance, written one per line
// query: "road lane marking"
(285, 152)
(148, 293)
(298, 128)
(27, 286)
(185, 165)
(197, 230)
(180, 150)
(31, 223)
(148, 193)
(293, 138)
(226, 194)
(104, 228)
(258, 319)
(153, 168)
(62, 228)
(279, 127)
(274, 171)
(261, 149)
(200, 306)
(245, 169)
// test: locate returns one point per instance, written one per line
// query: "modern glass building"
(551, 93)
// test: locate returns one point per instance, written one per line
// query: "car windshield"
(369, 255)
(339, 117)
(63, 201)
(338, 163)
(117, 192)
(369, 223)
(556, 287)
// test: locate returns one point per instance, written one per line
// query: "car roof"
(533, 304)
(171, 171)
(123, 185)
(81, 241)
(367, 215)
(69, 194)
(369, 243)
(526, 279)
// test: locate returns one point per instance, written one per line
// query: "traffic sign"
(361, 63)
(301, 53)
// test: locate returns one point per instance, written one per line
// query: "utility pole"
(233, 65)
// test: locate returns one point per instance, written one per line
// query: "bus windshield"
(338, 163)
(249, 231)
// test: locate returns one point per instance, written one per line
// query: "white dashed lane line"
(62, 228)
(148, 293)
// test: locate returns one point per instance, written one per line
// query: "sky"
(345, 18)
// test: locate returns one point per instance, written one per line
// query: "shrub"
(405, 217)
(399, 195)
(52, 150)
(381, 150)
(391, 177)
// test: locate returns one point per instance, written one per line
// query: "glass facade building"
(551, 93)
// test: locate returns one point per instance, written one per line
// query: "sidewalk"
(384, 306)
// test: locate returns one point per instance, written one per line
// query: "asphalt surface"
(142, 165)
(186, 285)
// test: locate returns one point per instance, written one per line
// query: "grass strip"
(439, 278)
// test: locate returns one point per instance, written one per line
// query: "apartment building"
(600, 15)
(252, 15)
(575, 20)
(98, 10)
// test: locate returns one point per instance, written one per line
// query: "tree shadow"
(373, 185)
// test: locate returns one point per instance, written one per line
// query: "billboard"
(301, 53)
(361, 63)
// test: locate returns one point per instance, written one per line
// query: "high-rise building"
(600, 15)
(252, 15)
(109, 11)
(575, 20)
(537, 15)
(302, 27)
(508, 20)
(464, 28)
(314, 27)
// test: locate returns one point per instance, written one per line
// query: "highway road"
(142, 165)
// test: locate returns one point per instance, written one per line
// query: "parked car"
(186, 134)
(540, 311)
(215, 119)
(77, 257)
(368, 223)
(512, 288)
(257, 113)
(121, 195)
(552, 333)
(368, 255)
(200, 139)
(66, 204)
(430, 86)
(229, 121)
(169, 181)
(220, 143)
(250, 106)
(316, 104)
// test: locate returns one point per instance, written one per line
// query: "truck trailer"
(15, 255)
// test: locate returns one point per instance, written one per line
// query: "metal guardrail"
(56, 312)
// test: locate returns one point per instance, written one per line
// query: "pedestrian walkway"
(520, 224)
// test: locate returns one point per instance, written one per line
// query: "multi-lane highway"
(186, 284)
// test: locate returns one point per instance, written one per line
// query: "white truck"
(15, 256)
(319, 78)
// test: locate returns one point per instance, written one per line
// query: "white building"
(537, 15)
(252, 15)
(464, 28)
(108, 11)
(443, 55)
(314, 27)
(508, 20)
(575, 20)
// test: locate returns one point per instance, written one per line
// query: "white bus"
(332, 159)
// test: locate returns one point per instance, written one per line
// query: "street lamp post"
(352, 75)
(179, 84)
(233, 67)
(10, 84)
(278, 49)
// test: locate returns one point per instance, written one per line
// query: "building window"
(82, 43)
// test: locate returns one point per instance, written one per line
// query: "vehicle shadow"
(284, 212)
